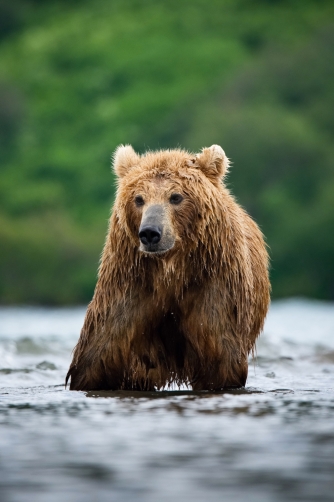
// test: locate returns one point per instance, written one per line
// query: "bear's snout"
(154, 232)
(150, 235)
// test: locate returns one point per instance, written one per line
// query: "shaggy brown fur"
(190, 314)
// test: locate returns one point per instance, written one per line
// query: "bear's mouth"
(152, 249)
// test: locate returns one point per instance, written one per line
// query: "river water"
(273, 441)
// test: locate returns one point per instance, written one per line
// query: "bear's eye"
(139, 201)
(175, 198)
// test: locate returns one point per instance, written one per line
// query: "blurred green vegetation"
(79, 78)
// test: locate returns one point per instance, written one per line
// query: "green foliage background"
(79, 78)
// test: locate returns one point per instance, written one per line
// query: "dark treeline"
(79, 78)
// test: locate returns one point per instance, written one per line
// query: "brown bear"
(183, 288)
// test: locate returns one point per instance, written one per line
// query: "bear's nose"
(150, 235)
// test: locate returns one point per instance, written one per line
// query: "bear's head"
(166, 199)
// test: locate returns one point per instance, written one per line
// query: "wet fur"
(190, 316)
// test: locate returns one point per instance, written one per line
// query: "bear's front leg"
(216, 358)
(105, 357)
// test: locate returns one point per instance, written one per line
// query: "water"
(273, 441)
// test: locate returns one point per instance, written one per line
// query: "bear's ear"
(124, 159)
(212, 161)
